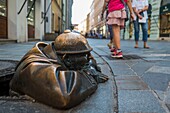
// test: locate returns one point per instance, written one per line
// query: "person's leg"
(111, 32)
(136, 32)
(130, 29)
(145, 34)
(116, 35)
(110, 44)
(117, 53)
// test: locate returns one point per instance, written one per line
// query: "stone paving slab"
(157, 81)
(141, 67)
(117, 65)
(130, 83)
(163, 63)
(138, 101)
(159, 69)
(101, 51)
(123, 72)
(24, 107)
(167, 96)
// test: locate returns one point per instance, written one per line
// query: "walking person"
(116, 18)
(140, 8)
(105, 8)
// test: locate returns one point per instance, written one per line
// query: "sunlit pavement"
(138, 83)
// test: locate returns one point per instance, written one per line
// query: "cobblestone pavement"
(138, 83)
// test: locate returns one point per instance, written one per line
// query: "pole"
(22, 7)
(46, 10)
(31, 8)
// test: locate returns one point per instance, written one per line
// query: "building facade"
(158, 21)
(165, 19)
(24, 20)
(68, 14)
(88, 23)
(3, 19)
(82, 27)
(96, 23)
(56, 16)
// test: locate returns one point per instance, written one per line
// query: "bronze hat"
(71, 43)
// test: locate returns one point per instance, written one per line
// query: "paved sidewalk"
(142, 77)
(138, 83)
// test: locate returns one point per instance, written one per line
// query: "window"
(3, 6)
(59, 24)
(31, 17)
(53, 22)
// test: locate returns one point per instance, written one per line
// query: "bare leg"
(145, 45)
(136, 44)
(116, 33)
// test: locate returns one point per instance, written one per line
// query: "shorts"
(117, 17)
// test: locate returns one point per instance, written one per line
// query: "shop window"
(3, 6)
(31, 17)
(165, 18)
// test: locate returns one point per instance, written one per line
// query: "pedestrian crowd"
(117, 15)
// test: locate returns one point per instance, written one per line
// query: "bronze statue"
(61, 74)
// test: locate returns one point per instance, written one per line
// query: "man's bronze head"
(73, 49)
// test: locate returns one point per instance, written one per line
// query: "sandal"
(146, 47)
(136, 47)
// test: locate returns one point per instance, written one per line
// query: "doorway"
(31, 19)
(3, 19)
(165, 18)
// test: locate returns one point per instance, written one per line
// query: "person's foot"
(136, 46)
(117, 54)
(113, 49)
(146, 47)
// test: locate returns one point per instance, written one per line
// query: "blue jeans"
(144, 30)
(110, 31)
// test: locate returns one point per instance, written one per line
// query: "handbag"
(126, 9)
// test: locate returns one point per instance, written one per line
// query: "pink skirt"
(117, 18)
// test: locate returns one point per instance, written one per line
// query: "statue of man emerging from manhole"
(61, 74)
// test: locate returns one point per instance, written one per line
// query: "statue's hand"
(98, 76)
(101, 78)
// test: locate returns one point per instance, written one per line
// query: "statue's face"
(76, 61)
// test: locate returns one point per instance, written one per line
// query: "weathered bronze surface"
(71, 43)
(61, 74)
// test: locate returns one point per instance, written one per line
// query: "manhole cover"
(131, 57)
(125, 57)
(7, 69)
(4, 65)
(7, 66)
